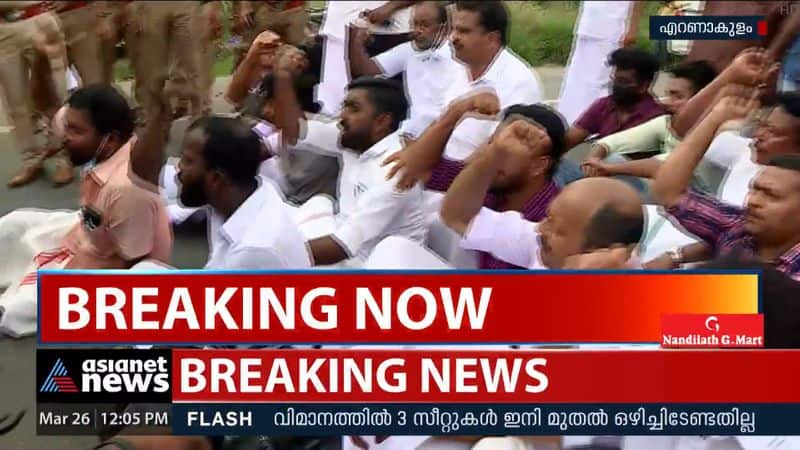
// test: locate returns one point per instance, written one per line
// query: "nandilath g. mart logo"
(58, 380)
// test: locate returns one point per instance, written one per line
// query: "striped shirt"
(723, 227)
(534, 210)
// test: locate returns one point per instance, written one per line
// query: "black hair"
(108, 110)
(786, 161)
(609, 227)
(552, 122)
(779, 294)
(231, 147)
(699, 73)
(790, 101)
(493, 15)
(441, 11)
(387, 97)
(640, 61)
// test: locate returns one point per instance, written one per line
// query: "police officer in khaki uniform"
(78, 22)
(286, 18)
(161, 43)
(31, 42)
(110, 18)
(208, 26)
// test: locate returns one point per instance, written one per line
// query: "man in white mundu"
(602, 27)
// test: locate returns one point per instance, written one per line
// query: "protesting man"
(526, 185)
(587, 215)
(426, 62)
(122, 218)
(768, 227)
(370, 208)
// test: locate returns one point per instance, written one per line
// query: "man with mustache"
(371, 209)
(768, 226)
(426, 62)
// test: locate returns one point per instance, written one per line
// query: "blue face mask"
(89, 166)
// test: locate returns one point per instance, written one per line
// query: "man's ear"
(383, 123)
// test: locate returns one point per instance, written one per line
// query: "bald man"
(587, 215)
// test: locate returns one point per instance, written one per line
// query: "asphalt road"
(17, 357)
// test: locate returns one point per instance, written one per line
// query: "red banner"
(512, 376)
(320, 307)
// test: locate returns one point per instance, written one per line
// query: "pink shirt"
(123, 219)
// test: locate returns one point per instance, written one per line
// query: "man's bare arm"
(465, 198)
(360, 61)
(147, 155)
(288, 112)
(420, 157)
(787, 35)
(325, 251)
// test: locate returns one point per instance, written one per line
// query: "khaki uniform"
(21, 53)
(78, 23)
(207, 53)
(112, 12)
(287, 18)
(162, 45)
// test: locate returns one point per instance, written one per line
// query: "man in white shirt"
(426, 62)
(250, 226)
(601, 28)
(388, 18)
(479, 36)
(371, 209)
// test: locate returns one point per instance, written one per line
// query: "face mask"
(93, 162)
(624, 95)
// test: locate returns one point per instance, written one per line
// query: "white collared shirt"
(428, 76)
(370, 207)
(514, 82)
(260, 235)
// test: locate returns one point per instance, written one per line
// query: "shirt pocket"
(96, 229)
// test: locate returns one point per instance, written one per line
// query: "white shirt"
(370, 208)
(607, 20)
(339, 14)
(517, 243)
(731, 151)
(428, 75)
(514, 82)
(260, 235)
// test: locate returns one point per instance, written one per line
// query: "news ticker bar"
(336, 419)
(692, 28)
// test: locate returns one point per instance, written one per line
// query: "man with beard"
(122, 217)
(427, 64)
(768, 227)
(370, 208)
(250, 226)
(630, 102)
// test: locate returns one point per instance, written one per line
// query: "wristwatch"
(676, 255)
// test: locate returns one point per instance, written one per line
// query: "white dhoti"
(32, 240)
(588, 75)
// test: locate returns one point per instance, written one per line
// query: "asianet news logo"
(129, 375)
